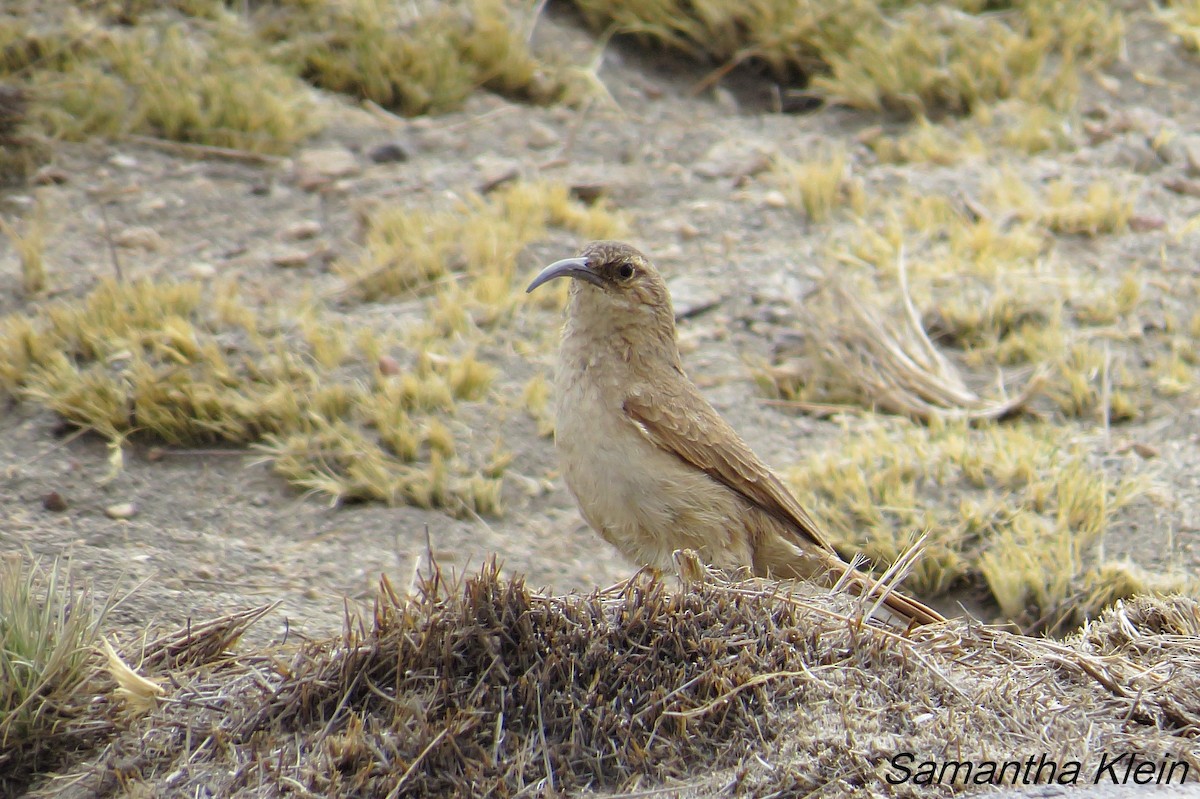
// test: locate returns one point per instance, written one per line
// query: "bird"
(652, 466)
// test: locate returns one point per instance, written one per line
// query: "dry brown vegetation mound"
(488, 688)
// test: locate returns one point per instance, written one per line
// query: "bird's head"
(615, 280)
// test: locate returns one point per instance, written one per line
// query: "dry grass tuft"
(1031, 128)
(190, 658)
(503, 688)
(172, 79)
(153, 358)
(1182, 18)
(904, 56)
(1021, 491)
(1023, 125)
(933, 61)
(887, 362)
(489, 688)
(29, 241)
(20, 151)
(925, 142)
(995, 296)
(49, 626)
(181, 364)
(1100, 208)
(820, 184)
(412, 58)
(536, 399)
(408, 249)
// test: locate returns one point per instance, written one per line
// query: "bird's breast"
(643, 500)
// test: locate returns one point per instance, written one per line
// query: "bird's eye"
(625, 271)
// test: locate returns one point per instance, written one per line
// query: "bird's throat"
(603, 334)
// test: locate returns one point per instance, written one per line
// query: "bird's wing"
(680, 421)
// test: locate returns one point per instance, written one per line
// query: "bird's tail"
(885, 600)
(783, 560)
(887, 604)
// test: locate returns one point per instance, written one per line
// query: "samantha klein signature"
(1113, 769)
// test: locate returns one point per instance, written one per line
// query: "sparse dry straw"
(894, 366)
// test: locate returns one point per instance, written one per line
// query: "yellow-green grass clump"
(20, 151)
(1062, 207)
(411, 58)
(1182, 18)
(1098, 209)
(1015, 124)
(936, 63)
(974, 284)
(1031, 128)
(944, 240)
(49, 627)
(146, 357)
(536, 399)
(411, 249)
(990, 323)
(1026, 518)
(181, 364)
(175, 81)
(903, 56)
(819, 185)
(29, 242)
(1174, 370)
(925, 142)
(1085, 381)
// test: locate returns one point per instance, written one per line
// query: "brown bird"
(653, 467)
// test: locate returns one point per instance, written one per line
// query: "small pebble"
(542, 137)
(1191, 154)
(50, 176)
(495, 172)
(152, 206)
(121, 511)
(1145, 451)
(201, 270)
(1190, 188)
(305, 229)
(388, 153)
(54, 502)
(316, 168)
(775, 199)
(291, 258)
(588, 193)
(388, 365)
(139, 237)
(1141, 223)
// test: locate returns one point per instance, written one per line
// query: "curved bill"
(567, 267)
